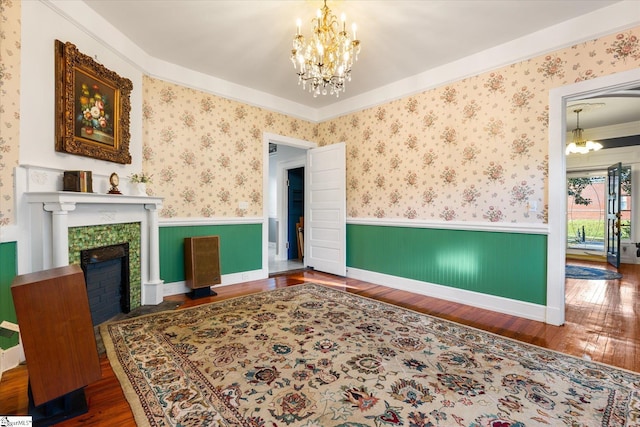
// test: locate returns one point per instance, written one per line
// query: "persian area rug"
(310, 355)
(590, 273)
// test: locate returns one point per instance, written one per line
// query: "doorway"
(295, 214)
(286, 161)
(286, 200)
(557, 208)
(325, 203)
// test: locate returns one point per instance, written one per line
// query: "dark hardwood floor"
(602, 324)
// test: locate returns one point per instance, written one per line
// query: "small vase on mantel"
(139, 188)
(138, 183)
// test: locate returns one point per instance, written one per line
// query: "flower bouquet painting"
(92, 107)
(94, 110)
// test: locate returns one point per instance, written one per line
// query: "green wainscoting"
(8, 271)
(510, 265)
(240, 248)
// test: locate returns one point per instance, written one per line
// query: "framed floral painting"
(92, 107)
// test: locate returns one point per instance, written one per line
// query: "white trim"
(86, 19)
(617, 17)
(556, 245)
(498, 227)
(619, 130)
(186, 222)
(282, 168)
(180, 287)
(9, 233)
(461, 296)
(13, 356)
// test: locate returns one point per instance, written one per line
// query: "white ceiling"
(248, 42)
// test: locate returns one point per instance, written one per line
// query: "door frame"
(613, 204)
(281, 140)
(557, 194)
(283, 200)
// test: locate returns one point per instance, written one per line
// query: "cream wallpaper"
(474, 150)
(205, 152)
(9, 104)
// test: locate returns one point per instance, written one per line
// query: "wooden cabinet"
(202, 264)
(57, 333)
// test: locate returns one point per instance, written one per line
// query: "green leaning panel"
(510, 265)
(240, 248)
(8, 272)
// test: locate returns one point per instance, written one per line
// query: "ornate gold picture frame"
(92, 107)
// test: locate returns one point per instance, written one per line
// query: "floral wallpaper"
(9, 104)
(473, 150)
(205, 152)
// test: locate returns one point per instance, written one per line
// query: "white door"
(326, 205)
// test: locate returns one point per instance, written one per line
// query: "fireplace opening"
(106, 273)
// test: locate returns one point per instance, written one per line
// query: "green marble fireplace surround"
(94, 236)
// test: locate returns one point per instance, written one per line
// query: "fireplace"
(54, 215)
(106, 273)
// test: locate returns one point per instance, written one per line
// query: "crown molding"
(619, 16)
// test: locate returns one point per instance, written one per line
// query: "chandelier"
(579, 144)
(324, 63)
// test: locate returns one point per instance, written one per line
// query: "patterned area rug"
(590, 273)
(140, 311)
(309, 355)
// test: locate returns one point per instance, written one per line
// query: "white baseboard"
(461, 296)
(180, 287)
(490, 302)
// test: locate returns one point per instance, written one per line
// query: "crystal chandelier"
(579, 144)
(324, 62)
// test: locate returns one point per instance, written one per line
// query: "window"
(586, 209)
(586, 213)
(625, 203)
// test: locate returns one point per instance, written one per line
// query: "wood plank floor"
(602, 324)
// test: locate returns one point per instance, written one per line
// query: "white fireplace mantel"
(52, 213)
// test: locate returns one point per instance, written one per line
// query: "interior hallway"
(277, 266)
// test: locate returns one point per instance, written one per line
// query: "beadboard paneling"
(240, 248)
(510, 265)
